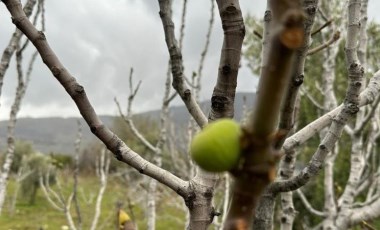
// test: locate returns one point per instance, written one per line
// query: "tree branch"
(128, 118)
(204, 52)
(326, 24)
(350, 108)
(333, 39)
(366, 97)
(177, 65)
(257, 156)
(308, 205)
(11, 47)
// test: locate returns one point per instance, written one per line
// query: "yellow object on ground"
(123, 218)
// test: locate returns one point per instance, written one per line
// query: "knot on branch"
(56, 71)
(17, 21)
(218, 103)
(353, 66)
(288, 158)
(310, 10)
(336, 35)
(226, 69)
(162, 14)
(242, 30)
(174, 54)
(268, 16)
(356, 67)
(298, 80)
(114, 144)
(187, 95)
(323, 147)
(357, 84)
(214, 213)
(352, 108)
(79, 89)
(94, 129)
(189, 199)
(118, 155)
(229, 9)
(10, 140)
(208, 193)
(41, 36)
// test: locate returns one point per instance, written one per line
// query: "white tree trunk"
(103, 169)
(152, 195)
(20, 92)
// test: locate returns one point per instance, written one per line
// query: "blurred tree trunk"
(14, 45)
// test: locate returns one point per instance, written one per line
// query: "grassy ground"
(42, 215)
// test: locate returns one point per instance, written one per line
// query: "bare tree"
(333, 214)
(156, 149)
(23, 81)
(286, 39)
(60, 202)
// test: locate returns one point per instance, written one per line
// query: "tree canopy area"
(304, 157)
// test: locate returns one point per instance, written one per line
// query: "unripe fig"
(216, 148)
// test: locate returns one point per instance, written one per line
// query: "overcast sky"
(98, 41)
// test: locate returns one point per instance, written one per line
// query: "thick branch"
(366, 97)
(177, 65)
(223, 96)
(258, 163)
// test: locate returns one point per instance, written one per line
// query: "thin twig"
(308, 206)
(333, 39)
(204, 52)
(76, 173)
(182, 30)
(328, 23)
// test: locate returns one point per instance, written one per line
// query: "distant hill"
(55, 134)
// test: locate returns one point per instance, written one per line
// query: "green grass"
(42, 214)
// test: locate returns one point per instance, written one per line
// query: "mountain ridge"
(58, 134)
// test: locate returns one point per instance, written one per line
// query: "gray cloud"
(98, 42)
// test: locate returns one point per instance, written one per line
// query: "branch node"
(41, 36)
(323, 147)
(298, 80)
(268, 16)
(187, 94)
(189, 198)
(118, 155)
(79, 89)
(56, 71)
(226, 69)
(218, 102)
(352, 108)
(17, 21)
(311, 10)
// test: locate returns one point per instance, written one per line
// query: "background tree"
(23, 81)
(316, 101)
(38, 164)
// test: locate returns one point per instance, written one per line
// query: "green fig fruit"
(216, 148)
